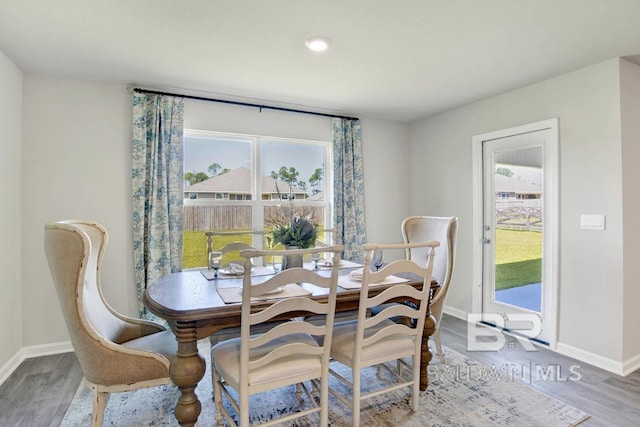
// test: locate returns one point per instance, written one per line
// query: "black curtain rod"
(244, 104)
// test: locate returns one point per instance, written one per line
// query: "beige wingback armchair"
(445, 230)
(116, 353)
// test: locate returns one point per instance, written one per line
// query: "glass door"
(518, 289)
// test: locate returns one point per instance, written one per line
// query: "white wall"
(587, 103)
(11, 335)
(77, 164)
(386, 188)
(77, 158)
(630, 102)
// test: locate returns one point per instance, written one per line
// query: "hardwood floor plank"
(39, 391)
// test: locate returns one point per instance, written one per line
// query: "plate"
(229, 273)
(356, 275)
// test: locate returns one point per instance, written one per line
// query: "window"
(245, 182)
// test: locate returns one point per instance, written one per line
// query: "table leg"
(429, 329)
(186, 370)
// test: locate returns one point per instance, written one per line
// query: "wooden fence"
(519, 218)
(236, 217)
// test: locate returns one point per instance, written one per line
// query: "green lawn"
(518, 255)
(194, 250)
(518, 258)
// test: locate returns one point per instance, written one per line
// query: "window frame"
(258, 204)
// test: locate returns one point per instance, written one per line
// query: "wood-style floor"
(39, 391)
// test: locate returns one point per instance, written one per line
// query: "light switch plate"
(592, 222)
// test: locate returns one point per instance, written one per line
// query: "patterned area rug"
(463, 392)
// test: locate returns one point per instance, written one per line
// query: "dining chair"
(116, 353)
(445, 230)
(234, 247)
(376, 340)
(290, 353)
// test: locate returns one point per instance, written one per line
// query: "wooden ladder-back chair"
(290, 353)
(445, 230)
(234, 247)
(116, 353)
(377, 339)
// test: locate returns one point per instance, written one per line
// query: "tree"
(316, 178)
(214, 168)
(194, 177)
(288, 175)
(504, 171)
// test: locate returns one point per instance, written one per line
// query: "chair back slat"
(392, 330)
(397, 291)
(285, 351)
(286, 306)
(287, 328)
(392, 311)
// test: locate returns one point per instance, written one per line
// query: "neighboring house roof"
(505, 184)
(238, 181)
(319, 196)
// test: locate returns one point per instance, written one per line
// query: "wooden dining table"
(193, 308)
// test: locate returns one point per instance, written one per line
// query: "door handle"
(486, 240)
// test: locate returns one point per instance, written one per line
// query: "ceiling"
(394, 59)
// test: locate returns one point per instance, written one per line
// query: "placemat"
(346, 282)
(234, 295)
(258, 270)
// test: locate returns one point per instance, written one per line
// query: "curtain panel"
(348, 187)
(157, 179)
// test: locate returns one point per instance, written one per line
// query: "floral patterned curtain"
(157, 173)
(348, 188)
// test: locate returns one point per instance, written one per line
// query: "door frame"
(551, 217)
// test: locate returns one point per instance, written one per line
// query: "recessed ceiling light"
(318, 44)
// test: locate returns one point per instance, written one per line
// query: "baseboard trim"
(630, 365)
(32, 351)
(452, 311)
(591, 358)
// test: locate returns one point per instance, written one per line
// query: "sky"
(525, 173)
(200, 152)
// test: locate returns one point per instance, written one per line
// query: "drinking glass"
(215, 259)
(276, 263)
(317, 256)
(377, 259)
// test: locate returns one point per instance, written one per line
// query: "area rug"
(464, 392)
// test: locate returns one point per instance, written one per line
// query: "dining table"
(193, 308)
